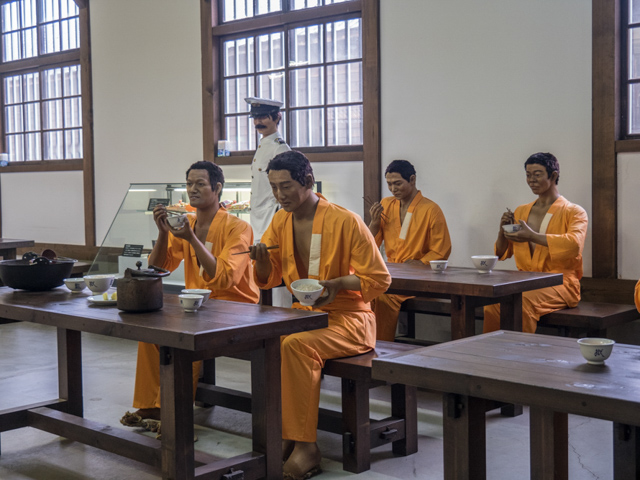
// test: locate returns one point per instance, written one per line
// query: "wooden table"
(547, 373)
(8, 247)
(468, 289)
(218, 328)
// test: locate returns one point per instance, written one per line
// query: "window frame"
(213, 115)
(79, 56)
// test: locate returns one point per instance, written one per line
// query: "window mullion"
(325, 73)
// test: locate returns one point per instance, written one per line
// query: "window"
(41, 80)
(312, 61)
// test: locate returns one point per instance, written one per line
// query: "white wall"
(147, 96)
(45, 207)
(628, 215)
(471, 89)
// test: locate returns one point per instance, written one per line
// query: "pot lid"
(152, 271)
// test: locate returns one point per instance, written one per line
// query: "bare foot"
(287, 448)
(149, 413)
(304, 461)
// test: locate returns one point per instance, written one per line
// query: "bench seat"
(588, 318)
(359, 433)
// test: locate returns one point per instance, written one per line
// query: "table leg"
(176, 398)
(70, 370)
(266, 405)
(463, 317)
(511, 313)
(626, 451)
(464, 437)
(549, 448)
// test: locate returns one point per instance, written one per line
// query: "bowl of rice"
(307, 291)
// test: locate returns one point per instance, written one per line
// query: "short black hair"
(403, 167)
(215, 173)
(296, 163)
(547, 160)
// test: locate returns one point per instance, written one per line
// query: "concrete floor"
(28, 375)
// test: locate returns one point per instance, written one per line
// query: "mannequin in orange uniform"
(551, 240)
(206, 244)
(319, 240)
(413, 229)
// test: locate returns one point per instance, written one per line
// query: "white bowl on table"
(198, 291)
(484, 263)
(438, 266)
(99, 283)
(307, 291)
(75, 284)
(596, 350)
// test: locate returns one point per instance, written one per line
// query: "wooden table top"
(6, 243)
(218, 323)
(407, 278)
(528, 369)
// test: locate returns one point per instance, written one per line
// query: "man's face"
(399, 187)
(289, 193)
(265, 125)
(201, 193)
(538, 179)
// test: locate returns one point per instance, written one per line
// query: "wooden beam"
(605, 130)
(209, 79)
(372, 171)
(88, 167)
(82, 3)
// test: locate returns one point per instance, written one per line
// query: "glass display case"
(133, 232)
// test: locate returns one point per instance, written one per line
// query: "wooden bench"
(359, 433)
(589, 318)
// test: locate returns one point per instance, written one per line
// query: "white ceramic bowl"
(99, 283)
(190, 302)
(484, 263)
(198, 291)
(438, 265)
(307, 297)
(596, 350)
(513, 228)
(75, 284)
(176, 221)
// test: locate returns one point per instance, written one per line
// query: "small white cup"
(190, 302)
(99, 283)
(438, 266)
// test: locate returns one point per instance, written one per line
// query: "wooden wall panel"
(605, 128)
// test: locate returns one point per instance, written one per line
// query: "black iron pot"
(37, 276)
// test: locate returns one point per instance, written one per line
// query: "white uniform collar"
(271, 137)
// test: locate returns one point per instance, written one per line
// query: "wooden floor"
(27, 374)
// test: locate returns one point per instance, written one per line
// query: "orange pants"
(146, 393)
(387, 309)
(303, 356)
(535, 304)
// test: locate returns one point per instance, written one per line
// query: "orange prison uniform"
(341, 244)
(637, 295)
(422, 236)
(233, 281)
(565, 225)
